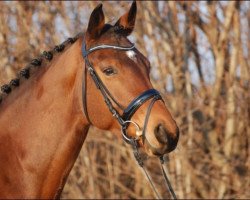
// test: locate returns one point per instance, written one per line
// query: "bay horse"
(97, 78)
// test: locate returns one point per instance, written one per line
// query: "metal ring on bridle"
(124, 129)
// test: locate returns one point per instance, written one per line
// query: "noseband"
(125, 119)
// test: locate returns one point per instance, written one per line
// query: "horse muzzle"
(167, 141)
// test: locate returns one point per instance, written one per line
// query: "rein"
(125, 119)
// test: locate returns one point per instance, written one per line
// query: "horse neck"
(42, 125)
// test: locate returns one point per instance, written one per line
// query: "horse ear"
(127, 21)
(96, 22)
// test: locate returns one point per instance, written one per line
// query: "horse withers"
(98, 78)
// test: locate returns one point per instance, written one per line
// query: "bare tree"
(199, 52)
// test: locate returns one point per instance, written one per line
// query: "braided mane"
(48, 55)
(36, 63)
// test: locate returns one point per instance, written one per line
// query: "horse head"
(121, 77)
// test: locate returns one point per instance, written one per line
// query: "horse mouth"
(147, 148)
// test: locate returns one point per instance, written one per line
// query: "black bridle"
(125, 119)
(130, 110)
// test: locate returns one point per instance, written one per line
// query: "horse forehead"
(131, 54)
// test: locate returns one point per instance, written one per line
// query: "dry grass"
(106, 168)
(201, 50)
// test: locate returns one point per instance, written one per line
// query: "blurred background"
(199, 52)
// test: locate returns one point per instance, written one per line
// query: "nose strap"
(133, 107)
(138, 101)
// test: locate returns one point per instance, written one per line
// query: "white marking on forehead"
(131, 54)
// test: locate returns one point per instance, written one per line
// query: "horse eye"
(109, 71)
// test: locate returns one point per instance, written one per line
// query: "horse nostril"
(165, 137)
(161, 134)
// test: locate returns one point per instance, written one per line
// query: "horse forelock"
(35, 65)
